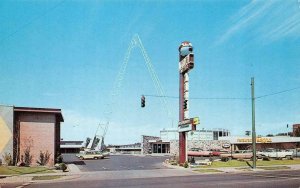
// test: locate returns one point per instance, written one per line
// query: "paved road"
(286, 179)
(119, 162)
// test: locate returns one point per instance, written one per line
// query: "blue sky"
(67, 54)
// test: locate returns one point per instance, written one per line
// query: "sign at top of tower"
(186, 57)
(184, 49)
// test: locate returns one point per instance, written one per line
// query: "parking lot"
(117, 162)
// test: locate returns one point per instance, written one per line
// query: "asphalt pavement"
(118, 162)
(148, 171)
(274, 179)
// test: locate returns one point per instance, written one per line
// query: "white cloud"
(267, 20)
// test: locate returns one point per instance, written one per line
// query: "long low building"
(70, 146)
(279, 142)
(125, 149)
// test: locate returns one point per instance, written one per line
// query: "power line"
(31, 21)
(228, 98)
(203, 98)
(279, 92)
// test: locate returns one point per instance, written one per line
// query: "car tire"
(95, 157)
(81, 158)
(289, 157)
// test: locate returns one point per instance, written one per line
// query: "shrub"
(0, 162)
(8, 159)
(27, 157)
(44, 158)
(173, 162)
(61, 166)
(185, 164)
(59, 159)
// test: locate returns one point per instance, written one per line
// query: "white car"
(90, 155)
(276, 153)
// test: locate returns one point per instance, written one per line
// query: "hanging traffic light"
(185, 104)
(143, 101)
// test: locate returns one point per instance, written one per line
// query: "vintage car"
(276, 153)
(238, 154)
(217, 152)
(90, 155)
(197, 152)
(296, 152)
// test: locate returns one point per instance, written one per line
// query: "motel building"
(278, 142)
(27, 128)
(168, 142)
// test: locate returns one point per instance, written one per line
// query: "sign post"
(186, 63)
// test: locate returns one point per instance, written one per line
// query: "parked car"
(276, 153)
(296, 152)
(197, 152)
(105, 154)
(218, 152)
(215, 152)
(90, 155)
(238, 154)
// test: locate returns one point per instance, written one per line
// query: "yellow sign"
(261, 140)
(196, 121)
(5, 134)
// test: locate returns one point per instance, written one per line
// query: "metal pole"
(182, 135)
(253, 124)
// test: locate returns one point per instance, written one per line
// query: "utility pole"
(253, 124)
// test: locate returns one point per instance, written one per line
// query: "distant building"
(278, 142)
(125, 149)
(27, 128)
(202, 134)
(168, 142)
(70, 146)
(296, 130)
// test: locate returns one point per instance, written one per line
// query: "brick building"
(35, 128)
(296, 129)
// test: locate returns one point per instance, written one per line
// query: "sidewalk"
(75, 174)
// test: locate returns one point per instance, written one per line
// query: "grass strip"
(207, 170)
(14, 170)
(236, 163)
(46, 177)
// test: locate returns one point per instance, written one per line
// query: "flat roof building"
(70, 146)
(30, 129)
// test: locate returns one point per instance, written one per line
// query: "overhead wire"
(279, 92)
(228, 98)
(202, 98)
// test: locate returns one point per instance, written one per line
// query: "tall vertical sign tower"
(186, 63)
